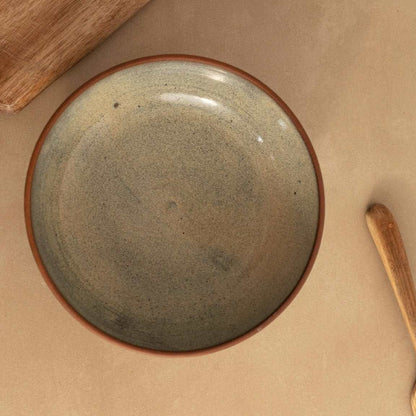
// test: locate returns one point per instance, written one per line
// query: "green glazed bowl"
(174, 204)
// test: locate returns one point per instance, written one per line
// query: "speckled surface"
(174, 205)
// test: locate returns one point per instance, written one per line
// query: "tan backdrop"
(347, 68)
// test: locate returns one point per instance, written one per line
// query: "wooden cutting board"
(41, 39)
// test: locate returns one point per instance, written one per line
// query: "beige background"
(348, 70)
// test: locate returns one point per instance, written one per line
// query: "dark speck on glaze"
(172, 205)
(220, 259)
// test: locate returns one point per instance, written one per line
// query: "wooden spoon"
(389, 243)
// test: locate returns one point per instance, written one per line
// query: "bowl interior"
(174, 205)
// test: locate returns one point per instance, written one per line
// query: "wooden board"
(41, 39)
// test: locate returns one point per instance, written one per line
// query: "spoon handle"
(389, 243)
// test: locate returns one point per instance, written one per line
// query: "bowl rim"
(187, 58)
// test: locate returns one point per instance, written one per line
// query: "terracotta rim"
(188, 58)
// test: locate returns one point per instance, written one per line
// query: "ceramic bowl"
(174, 204)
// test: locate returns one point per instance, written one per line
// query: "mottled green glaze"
(174, 205)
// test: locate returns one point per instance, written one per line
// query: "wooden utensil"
(386, 236)
(41, 39)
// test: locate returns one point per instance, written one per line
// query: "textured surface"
(40, 39)
(347, 69)
(174, 205)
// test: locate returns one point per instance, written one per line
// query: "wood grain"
(389, 243)
(41, 39)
